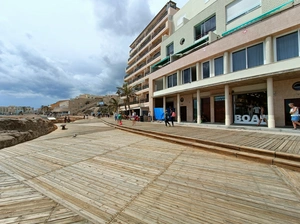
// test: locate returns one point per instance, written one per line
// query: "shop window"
(219, 66)
(247, 107)
(287, 46)
(170, 49)
(248, 58)
(203, 28)
(172, 80)
(205, 70)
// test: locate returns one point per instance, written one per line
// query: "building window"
(205, 70)
(240, 7)
(203, 28)
(239, 60)
(255, 56)
(248, 58)
(287, 46)
(172, 80)
(170, 49)
(158, 85)
(189, 75)
(219, 66)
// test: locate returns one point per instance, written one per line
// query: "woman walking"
(294, 111)
(133, 117)
(173, 115)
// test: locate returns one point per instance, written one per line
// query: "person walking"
(173, 115)
(149, 116)
(133, 117)
(116, 117)
(119, 118)
(167, 118)
(262, 116)
(294, 111)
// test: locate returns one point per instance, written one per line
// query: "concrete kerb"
(280, 159)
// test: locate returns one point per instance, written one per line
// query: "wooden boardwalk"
(288, 142)
(110, 176)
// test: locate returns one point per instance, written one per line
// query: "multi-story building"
(16, 110)
(229, 59)
(145, 52)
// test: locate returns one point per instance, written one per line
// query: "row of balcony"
(149, 38)
(158, 21)
(150, 28)
(138, 78)
(142, 65)
(145, 100)
(143, 54)
(139, 88)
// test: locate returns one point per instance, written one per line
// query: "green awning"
(204, 40)
(163, 61)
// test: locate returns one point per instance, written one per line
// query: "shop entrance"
(205, 109)
(183, 113)
(296, 102)
(220, 109)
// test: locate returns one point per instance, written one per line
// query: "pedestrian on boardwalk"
(294, 111)
(116, 117)
(119, 119)
(133, 117)
(167, 118)
(262, 116)
(149, 116)
(173, 115)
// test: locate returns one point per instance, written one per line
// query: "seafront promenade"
(106, 175)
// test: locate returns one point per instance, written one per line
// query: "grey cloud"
(30, 72)
(122, 17)
(28, 35)
(27, 71)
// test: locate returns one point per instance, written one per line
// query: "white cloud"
(57, 49)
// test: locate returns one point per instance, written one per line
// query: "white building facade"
(230, 60)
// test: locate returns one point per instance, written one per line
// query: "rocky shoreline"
(17, 130)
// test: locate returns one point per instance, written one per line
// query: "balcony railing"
(148, 32)
(158, 31)
(155, 56)
(144, 100)
(154, 45)
(146, 86)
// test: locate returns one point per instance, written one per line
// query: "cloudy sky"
(58, 49)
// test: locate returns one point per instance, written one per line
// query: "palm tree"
(128, 91)
(114, 104)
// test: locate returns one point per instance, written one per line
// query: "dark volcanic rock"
(14, 131)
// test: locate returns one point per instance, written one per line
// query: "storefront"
(248, 107)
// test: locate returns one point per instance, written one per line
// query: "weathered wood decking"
(111, 176)
(288, 142)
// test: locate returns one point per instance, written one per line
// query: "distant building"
(61, 107)
(16, 110)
